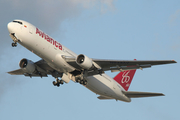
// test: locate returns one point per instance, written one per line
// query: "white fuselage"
(51, 51)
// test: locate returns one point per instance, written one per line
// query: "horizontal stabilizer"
(104, 97)
(133, 94)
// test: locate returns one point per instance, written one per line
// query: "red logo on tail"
(125, 78)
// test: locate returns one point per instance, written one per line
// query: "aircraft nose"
(10, 27)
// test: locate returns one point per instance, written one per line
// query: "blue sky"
(105, 29)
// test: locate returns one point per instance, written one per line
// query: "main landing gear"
(58, 82)
(81, 81)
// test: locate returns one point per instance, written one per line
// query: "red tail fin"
(125, 78)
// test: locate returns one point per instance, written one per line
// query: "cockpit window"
(18, 22)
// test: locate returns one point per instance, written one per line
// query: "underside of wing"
(101, 65)
(42, 69)
(36, 75)
(17, 72)
(121, 65)
(133, 94)
(21, 72)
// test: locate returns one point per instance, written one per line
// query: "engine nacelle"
(84, 62)
(27, 66)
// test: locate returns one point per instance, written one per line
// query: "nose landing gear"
(14, 44)
(14, 38)
(58, 82)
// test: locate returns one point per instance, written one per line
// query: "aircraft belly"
(100, 85)
(103, 85)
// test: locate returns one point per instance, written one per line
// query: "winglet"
(125, 78)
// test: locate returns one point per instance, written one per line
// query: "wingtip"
(162, 94)
(9, 73)
(174, 61)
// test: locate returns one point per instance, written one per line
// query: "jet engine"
(84, 62)
(27, 66)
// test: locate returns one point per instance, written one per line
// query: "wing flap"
(123, 68)
(36, 75)
(133, 94)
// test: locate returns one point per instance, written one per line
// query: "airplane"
(60, 62)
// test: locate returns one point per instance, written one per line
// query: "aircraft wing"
(120, 65)
(21, 72)
(133, 94)
(42, 69)
(116, 65)
(16, 72)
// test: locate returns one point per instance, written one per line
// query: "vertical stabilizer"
(125, 78)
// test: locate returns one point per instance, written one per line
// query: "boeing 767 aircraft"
(60, 62)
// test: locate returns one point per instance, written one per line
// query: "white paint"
(99, 84)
